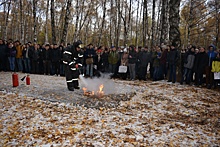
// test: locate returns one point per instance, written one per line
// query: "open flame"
(99, 93)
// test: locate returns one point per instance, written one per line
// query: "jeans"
(172, 76)
(19, 63)
(157, 74)
(11, 63)
(27, 65)
(112, 68)
(132, 71)
(62, 69)
(89, 70)
(187, 75)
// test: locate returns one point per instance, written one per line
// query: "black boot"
(71, 88)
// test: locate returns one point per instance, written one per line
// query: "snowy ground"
(158, 114)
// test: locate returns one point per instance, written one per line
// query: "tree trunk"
(53, 27)
(190, 21)
(217, 7)
(158, 25)
(35, 20)
(22, 22)
(77, 20)
(118, 28)
(153, 24)
(103, 22)
(129, 21)
(6, 15)
(111, 20)
(66, 21)
(174, 21)
(46, 24)
(145, 23)
(164, 22)
(136, 32)
(61, 22)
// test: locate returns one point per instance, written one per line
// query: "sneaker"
(169, 81)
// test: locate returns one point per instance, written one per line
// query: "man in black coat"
(173, 57)
(72, 58)
(201, 62)
(55, 60)
(145, 58)
(3, 58)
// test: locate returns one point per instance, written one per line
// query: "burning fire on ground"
(99, 93)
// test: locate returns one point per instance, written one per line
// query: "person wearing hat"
(72, 58)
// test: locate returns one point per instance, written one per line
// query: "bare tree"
(46, 23)
(6, 15)
(137, 19)
(153, 24)
(164, 22)
(103, 22)
(66, 22)
(158, 23)
(145, 23)
(174, 21)
(217, 17)
(35, 19)
(77, 18)
(118, 27)
(21, 22)
(53, 22)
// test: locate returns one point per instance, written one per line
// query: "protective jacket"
(216, 66)
(72, 60)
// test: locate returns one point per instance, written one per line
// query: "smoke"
(94, 83)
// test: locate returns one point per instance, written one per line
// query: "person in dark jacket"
(163, 61)
(41, 64)
(89, 59)
(132, 59)
(61, 47)
(3, 57)
(138, 62)
(200, 65)
(145, 58)
(55, 60)
(35, 59)
(47, 59)
(212, 54)
(104, 59)
(11, 53)
(26, 58)
(173, 57)
(72, 58)
(113, 58)
(156, 64)
(189, 59)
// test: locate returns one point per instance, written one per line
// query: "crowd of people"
(143, 63)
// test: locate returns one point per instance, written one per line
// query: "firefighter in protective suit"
(72, 59)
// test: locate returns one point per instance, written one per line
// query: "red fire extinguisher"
(15, 80)
(28, 80)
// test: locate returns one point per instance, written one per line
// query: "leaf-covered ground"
(154, 114)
